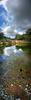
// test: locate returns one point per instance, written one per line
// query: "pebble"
(11, 84)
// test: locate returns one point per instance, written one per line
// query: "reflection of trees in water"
(1, 50)
(28, 33)
(1, 73)
(26, 48)
(1, 68)
(27, 51)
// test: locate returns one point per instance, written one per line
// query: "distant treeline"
(26, 36)
(2, 37)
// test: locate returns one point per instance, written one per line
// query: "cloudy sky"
(15, 16)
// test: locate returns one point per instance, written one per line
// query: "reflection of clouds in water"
(18, 99)
(12, 50)
(3, 58)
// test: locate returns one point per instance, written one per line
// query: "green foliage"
(28, 31)
(26, 36)
(19, 37)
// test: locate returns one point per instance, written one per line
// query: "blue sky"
(5, 18)
(15, 16)
(2, 13)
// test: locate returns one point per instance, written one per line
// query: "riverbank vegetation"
(21, 40)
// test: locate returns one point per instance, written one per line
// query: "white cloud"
(11, 32)
(5, 29)
(15, 31)
(20, 33)
(8, 30)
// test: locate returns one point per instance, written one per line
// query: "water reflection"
(1, 50)
(7, 57)
(9, 97)
(9, 51)
(12, 50)
(15, 67)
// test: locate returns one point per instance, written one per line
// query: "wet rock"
(20, 70)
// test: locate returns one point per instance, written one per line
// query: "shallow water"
(15, 70)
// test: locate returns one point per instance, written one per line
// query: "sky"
(15, 16)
